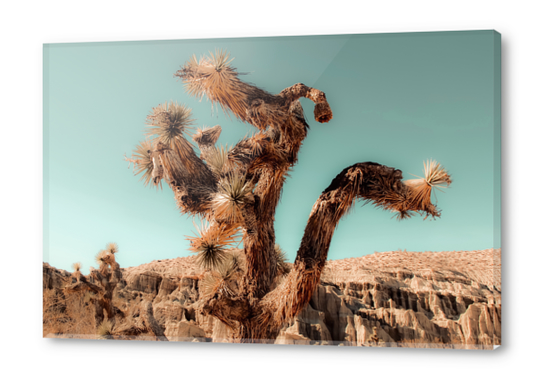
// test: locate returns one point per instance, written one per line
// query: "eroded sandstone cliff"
(403, 299)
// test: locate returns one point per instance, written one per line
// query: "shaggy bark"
(192, 182)
(259, 307)
(266, 159)
(368, 181)
(206, 140)
(270, 170)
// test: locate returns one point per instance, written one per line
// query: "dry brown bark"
(259, 308)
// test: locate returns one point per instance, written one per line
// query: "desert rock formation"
(397, 299)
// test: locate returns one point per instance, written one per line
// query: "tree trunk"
(375, 183)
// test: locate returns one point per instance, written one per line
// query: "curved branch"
(322, 110)
(369, 181)
(216, 79)
(192, 182)
(188, 176)
(206, 139)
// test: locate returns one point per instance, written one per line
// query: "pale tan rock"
(290, 337)
(444, 299)
(363, 330)
(146, 281)
(54, 278)
(350, 335)
(183, 331)
(478, 326)
(311, 323)
(221, 332)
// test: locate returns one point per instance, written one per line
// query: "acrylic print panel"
(195, 190)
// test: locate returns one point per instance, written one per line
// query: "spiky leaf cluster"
(105, 329)
(234, 192)
(100, 257)
(435, 176)
(168, 122)
(112, 248)
(217, 160)
(214, 78)
(76, 266)
(210, 284)
(225, 276)
(106, 257)
(210, 246)
(232, 266)
(282, 264)
(142, 160)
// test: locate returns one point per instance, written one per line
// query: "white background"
(26, 26)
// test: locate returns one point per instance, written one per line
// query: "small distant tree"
(101, 286)
(236, 190)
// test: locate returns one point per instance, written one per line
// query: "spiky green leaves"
(168, 122)
(234, 192)
(210, 246)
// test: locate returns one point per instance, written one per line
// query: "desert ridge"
(394, 299)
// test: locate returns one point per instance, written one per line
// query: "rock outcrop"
(54, 278)
(398, 299)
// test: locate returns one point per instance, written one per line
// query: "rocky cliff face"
(402, 299)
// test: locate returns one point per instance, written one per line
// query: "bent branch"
(372, 182)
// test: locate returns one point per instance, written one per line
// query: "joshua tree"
(100, 287)
(236, 191)
(103, 283)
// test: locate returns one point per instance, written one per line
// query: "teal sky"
(397, 99)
